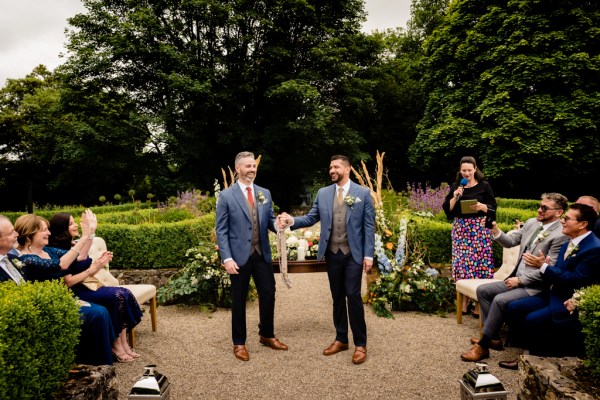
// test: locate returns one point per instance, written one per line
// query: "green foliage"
(202, 280)
(411, 288)
(153, 246)
(523, 204)
(147, 216)
(517, 85)
(39, 328)
(589, 315)
(76, 211)
(507, 215)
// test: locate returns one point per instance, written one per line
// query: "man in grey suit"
(542, 234)
(347, 217)
(244, 215)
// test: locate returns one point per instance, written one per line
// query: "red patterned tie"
(250, 198)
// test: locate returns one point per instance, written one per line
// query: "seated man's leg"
(497, 313)
(517, 311)
(486, 294)
(97, 336)
(538, 332)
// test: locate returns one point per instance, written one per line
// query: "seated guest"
(592, 202)
(97, 336)
(44, 263)
(542, 233)
(544, 323)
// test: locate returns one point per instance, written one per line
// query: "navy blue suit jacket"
(234, 224)
(360, 220)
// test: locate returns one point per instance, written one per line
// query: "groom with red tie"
(347, 217)
(244, 216)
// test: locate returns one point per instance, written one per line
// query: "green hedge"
(531, 205)
(76, 211)
(507, 215)
(144, 216)
(434, 236)
(151, 246)
(39, 327)
(589, 315)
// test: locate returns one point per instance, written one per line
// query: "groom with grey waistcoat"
(542, 234)
(347, 242)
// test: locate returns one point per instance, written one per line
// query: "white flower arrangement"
(541, 236)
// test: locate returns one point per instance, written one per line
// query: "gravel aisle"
(414, 356)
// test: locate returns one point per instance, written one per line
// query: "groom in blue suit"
(546, 325)
(347, 243)
(244, 216)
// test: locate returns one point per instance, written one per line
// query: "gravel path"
(414, 356)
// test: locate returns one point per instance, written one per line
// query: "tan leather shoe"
(496, 344)
(360, 355)
(475, 354)
(273, 343)
(335, 347)
(240, 352)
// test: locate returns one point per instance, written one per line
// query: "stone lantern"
(480, 384)
(151, 386)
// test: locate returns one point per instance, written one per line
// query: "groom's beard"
(336, 178)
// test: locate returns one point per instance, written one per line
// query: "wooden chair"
(468, 287)
(142, 292)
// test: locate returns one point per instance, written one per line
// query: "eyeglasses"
(545, 208)
(567, 219)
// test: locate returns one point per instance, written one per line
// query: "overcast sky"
(32, 31)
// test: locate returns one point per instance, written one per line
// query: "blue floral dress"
(120, 303)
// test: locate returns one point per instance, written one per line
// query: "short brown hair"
(344, 159)
(561, 201)
(28, 225)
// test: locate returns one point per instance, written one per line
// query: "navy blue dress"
(120, 303)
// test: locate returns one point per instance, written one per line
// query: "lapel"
(241, 199)
(329, 197)
(571, 261)
(352, 192)
(259, 205)
(9, 259)
(549, 230)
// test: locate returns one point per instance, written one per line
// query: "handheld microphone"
(463, 183)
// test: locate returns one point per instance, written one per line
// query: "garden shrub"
(39, 327)
(76, 211)
(589, 315)
(153, 246)
(523, 204)
(507, 215)
(144, 216)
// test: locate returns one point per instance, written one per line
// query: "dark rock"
(90, 382)
(550, 378)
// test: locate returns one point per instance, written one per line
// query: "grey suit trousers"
(493, 298)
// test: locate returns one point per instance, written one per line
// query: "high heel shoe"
(123, 357)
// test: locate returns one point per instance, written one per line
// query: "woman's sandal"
(123, 357)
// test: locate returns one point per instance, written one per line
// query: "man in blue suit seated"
(543, 323)
(244, 216)
(347, 217)
(97, 335)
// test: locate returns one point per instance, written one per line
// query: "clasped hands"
(284, 220)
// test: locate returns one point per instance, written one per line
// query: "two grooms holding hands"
(347, 217)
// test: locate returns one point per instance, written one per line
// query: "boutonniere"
(541, 236)
(17, 263)
(573, 251)
(350, 200)
(261, 197)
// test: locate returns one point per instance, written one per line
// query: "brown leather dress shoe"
(495, 344)
(240, 352)
(335, 347)
(273, 343)
(360, 355)
(510, 364)
(475, 354)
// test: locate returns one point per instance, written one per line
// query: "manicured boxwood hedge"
(160, 245)
(77, 211)
(39, 328)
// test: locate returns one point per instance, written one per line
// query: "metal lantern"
(480, 384)
(151, 386)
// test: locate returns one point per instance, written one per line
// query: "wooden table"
(303, 266)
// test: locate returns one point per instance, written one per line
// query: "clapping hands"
(532, 260)
(89, 223)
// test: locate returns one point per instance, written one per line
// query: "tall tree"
(216, 77)
(517, 84)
